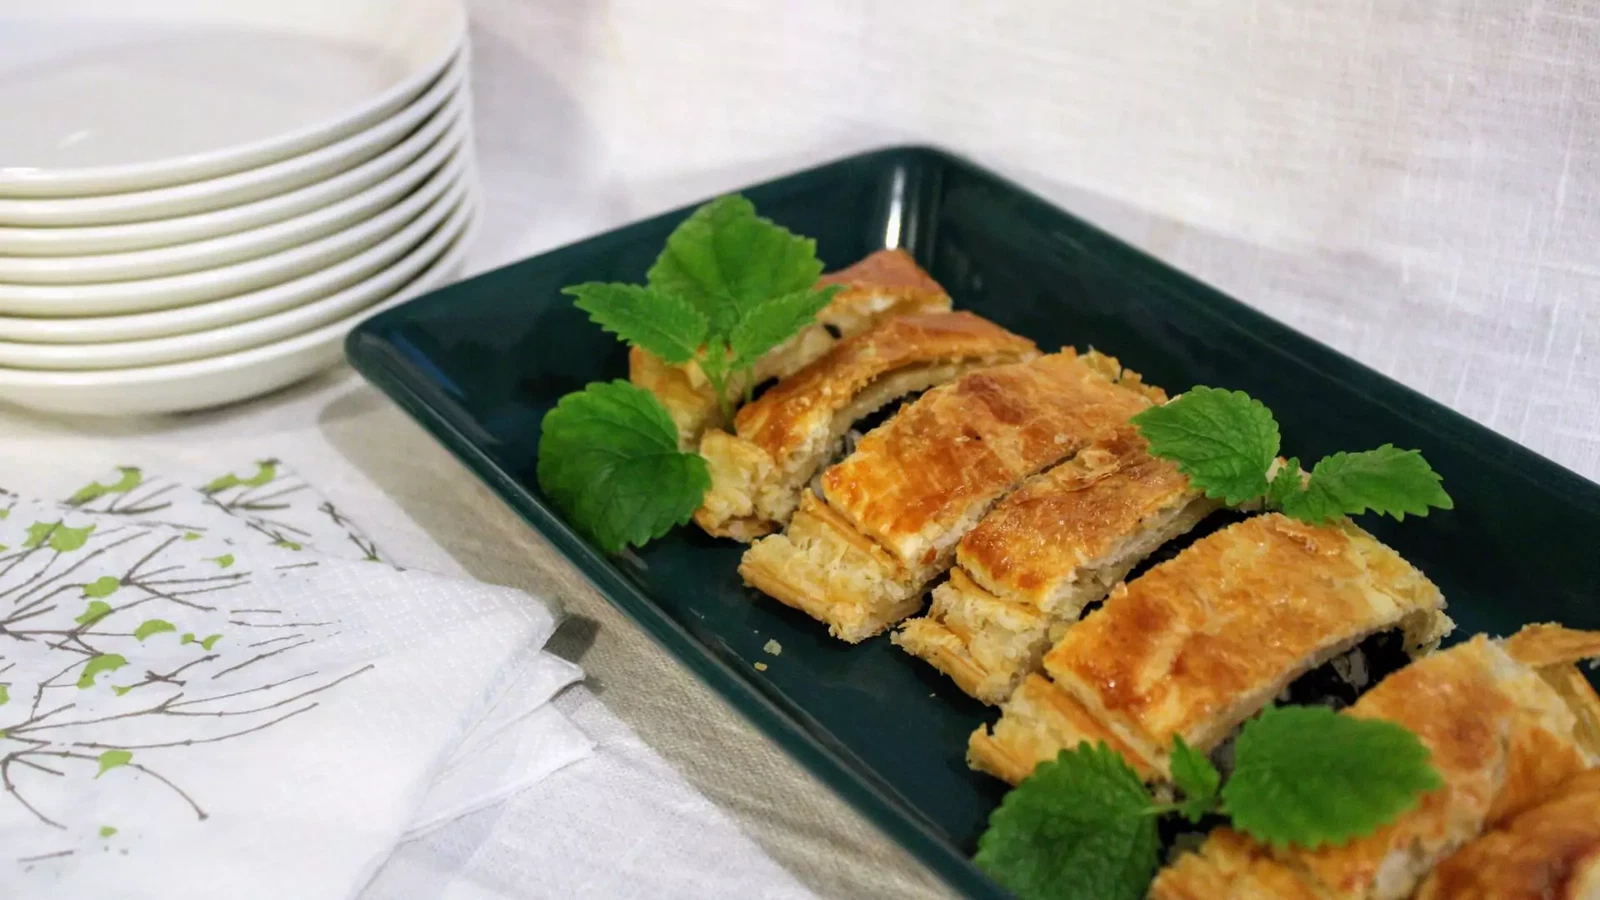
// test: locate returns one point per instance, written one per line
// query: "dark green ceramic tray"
(480, 362)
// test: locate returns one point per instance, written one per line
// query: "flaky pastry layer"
(786, 435)
(918, 483)
(1204, 641)
(1502, 739)
(1047, 551)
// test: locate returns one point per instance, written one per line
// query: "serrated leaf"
(664, 324)
(104, 586)
(1307, 776)
(1078, 828)
(98, 609)
(771, 323)
(609, 458)
(1224, 441)
(112, 759)
(152, 627)
(1387, 481)
(1285, 484)
(725, 259)
(105, 662)
(1197, 778)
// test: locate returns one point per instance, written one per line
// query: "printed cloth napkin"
(220, 687)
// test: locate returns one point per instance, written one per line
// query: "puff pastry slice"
(885, 284)
(786, 435)
(1204, 641)
(892, 512)
(1548, 852)
(1047, 551)
(1502, 739)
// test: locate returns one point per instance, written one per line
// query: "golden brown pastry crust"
(1046, 552)
(885, 284)
(785, 435)
(1200, 643)
(918, 483)
(1548, 852)
(1501, 739)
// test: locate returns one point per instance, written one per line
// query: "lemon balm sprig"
(1226, 441)
(729, 286)
(1084, 827)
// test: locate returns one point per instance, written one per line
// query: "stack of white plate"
(199, 199)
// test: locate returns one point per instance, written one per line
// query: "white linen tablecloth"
(1414, 184)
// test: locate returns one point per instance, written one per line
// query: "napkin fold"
(218, 686)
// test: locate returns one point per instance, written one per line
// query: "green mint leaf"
(726, 260)
(1286, 484)
(609, 458)
(771, 323)
(152, 627)
(1224, 441)
(112, 759)
(654, 320)
(104, 586)
(1197, 778)
(1078, 828)
(105, 662)
(1386, 481)
(1307, 776)
(98, 609)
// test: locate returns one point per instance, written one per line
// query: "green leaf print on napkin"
(105, 662)
(131, 478)
(112, 759)
(62, 539)
(102, 587)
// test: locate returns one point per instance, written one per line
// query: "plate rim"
(35, 182)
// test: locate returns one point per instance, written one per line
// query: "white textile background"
(1414, 183)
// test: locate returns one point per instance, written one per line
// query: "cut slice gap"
(786, 437)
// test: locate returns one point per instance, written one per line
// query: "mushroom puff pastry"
(1206, 640)
(1548, 852)
(1502, 736)
(860, 555)
(1043, 555)
(887, 283)
(787, 434)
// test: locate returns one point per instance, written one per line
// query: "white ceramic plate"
(209, 284)
(100, 96)
(251, 333)
(239, 187)
(245, 245)
(158, 233)
(229, 310)
(219, 380)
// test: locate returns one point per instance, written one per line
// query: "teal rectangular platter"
(479, 363)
